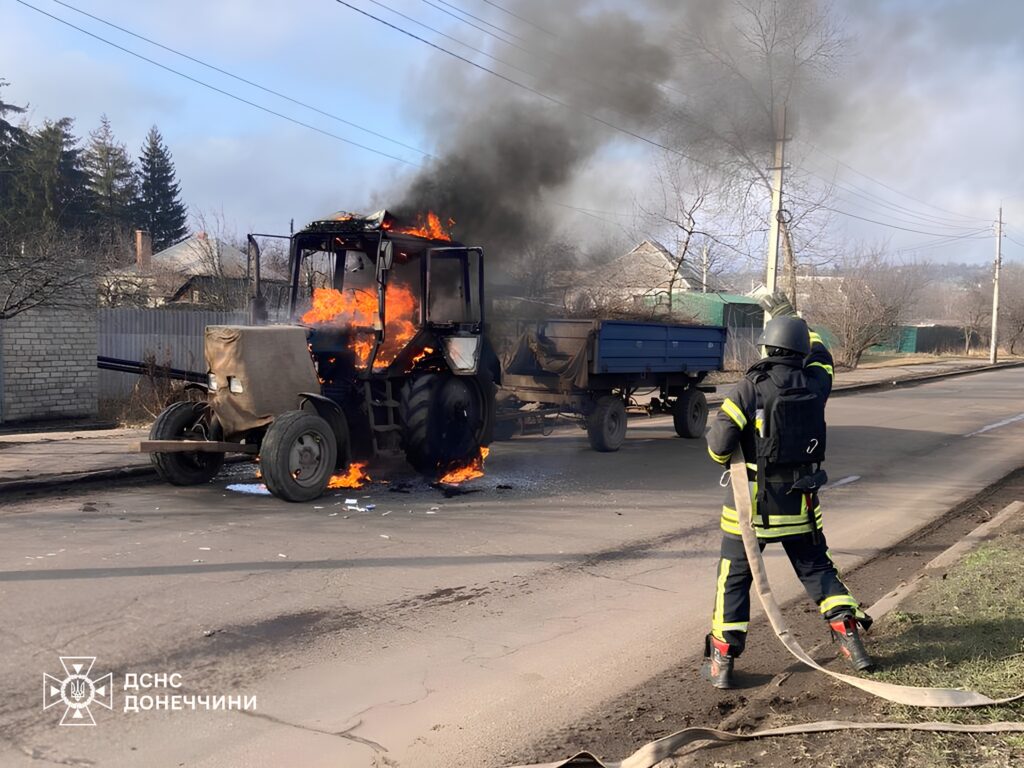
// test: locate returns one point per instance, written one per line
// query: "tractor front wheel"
(298, 455)
(186, 421)
(444, 420)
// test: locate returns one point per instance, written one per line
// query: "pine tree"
(50, 185)
(161, 211)
(12, 149)
(112, 181)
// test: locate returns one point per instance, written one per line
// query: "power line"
(429, 28)
(220, 90)
(475, 18)
(241, 79)
(919, 217)
(892, 189)
(875, 221)
(549, 58)
(943, 242)
(878, 200)
(521, 18)
(511, 81)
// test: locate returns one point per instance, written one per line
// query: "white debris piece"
(281, 555)
(351, 502)
(205, 549)
(254, 489)
(384, 536)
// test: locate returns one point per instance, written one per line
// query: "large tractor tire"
(606, 424)
(186, 421)
(445, 419)
(690, 414)
(298, 455)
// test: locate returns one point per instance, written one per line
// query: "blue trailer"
(595, 369)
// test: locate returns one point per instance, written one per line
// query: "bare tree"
(972, 309)
(694, 210)
(744, 63)
(1011, 317)
(864, 302)
(51, 267)
(223, 281)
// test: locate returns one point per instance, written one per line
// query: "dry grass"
(964, 631)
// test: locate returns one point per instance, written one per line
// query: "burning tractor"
(390, 358)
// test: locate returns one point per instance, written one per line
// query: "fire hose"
(654, 752)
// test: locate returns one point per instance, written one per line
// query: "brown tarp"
(533, 355)
(272, 364)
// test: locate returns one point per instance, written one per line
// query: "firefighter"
(776, 413)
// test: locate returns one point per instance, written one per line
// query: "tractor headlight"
(212, 382)
(463, 353)
(235, 385)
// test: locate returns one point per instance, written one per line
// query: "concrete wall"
(48, 364)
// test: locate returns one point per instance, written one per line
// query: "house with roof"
(199, 271)
(649, 281)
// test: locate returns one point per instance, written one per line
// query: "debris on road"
(255, 489)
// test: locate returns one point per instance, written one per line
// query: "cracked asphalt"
(431, 631)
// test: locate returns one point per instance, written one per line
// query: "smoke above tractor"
(596, 75)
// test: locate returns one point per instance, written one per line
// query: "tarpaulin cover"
(272, 364)
(534, 355)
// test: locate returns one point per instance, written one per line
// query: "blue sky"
(931, 104)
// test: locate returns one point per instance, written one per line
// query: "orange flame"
(429, 227)
(355, 477)
(426, 352)
(358, 310)
(470, 471)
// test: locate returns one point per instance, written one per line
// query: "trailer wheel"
(192, 421)
(606, 424)
(444, 420)
(690, 413)
(298, 455)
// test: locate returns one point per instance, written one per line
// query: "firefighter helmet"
(788, 333)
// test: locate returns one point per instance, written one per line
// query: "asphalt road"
(430, 631)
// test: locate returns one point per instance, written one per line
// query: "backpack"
(792, 428)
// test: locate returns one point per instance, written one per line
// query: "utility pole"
(993, 352)
(704, 267)
(772, 275)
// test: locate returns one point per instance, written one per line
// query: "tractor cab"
(381, 298)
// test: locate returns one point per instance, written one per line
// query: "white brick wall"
(48, 364)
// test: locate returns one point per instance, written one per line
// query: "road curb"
(912, 380)
(939, 565)
(922, 379)
(52, 483)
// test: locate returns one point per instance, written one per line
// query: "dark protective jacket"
(734, 425)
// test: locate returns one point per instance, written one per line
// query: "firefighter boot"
(718, 663)
(844, 629)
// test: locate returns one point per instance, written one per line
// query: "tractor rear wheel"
(606, 424)
(690, 413)
(186, 421)
(298, 455)
(444, 420)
